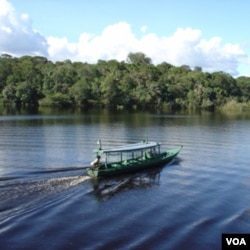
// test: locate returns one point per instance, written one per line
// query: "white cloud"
(185, 47)
(115, 42)
(6, 7)
(61, 49)
(17, 35)
(144, 29)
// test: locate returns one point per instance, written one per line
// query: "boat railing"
(125, 157)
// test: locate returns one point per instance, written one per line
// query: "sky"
(213, 35)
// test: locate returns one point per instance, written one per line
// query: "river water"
(48, 202)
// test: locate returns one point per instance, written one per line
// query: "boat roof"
(131, 147)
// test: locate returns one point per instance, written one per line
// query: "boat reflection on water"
(106, 188)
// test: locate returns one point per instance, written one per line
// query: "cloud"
(186, 46)
(144, 29)
(61, 49)
(17, 35)
(115, 42)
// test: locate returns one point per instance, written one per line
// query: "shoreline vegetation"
(137, 84)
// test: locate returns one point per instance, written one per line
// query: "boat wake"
(105, 189)
(57, 170)
(18, 191)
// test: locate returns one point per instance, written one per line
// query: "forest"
(132, 84)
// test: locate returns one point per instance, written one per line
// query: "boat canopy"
(130, 147)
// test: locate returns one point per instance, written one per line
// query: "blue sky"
(211, 34)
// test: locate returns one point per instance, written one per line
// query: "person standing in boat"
(154, 153)
(97, 162)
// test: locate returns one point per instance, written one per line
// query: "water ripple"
(46, 201)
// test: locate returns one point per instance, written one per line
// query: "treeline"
(136, 83)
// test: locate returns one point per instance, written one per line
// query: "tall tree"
(139, 58)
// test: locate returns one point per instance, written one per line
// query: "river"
(48, 202)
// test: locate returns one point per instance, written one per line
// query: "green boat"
(130, 158)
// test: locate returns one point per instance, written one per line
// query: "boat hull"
(133, 166)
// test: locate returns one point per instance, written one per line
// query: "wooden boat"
(130, 158)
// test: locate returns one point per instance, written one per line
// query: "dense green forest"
(136, 83)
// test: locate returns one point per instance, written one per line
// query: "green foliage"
(56, 100)
(244, 86)
(9, 93)
(81, 93)
(138, 58)
(136, 83)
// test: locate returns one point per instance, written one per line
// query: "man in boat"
(154, 153)
(97, 162)
(151, 154)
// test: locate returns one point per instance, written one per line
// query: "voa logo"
(236, 241)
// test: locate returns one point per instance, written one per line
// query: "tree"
(137, 82)
(139, 58)
(243, 83)
(111, 93)
(6, 69)
(197, 68)
(81, 92)
(27, 94)
(9, 94)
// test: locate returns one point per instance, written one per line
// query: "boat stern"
(92, 173)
